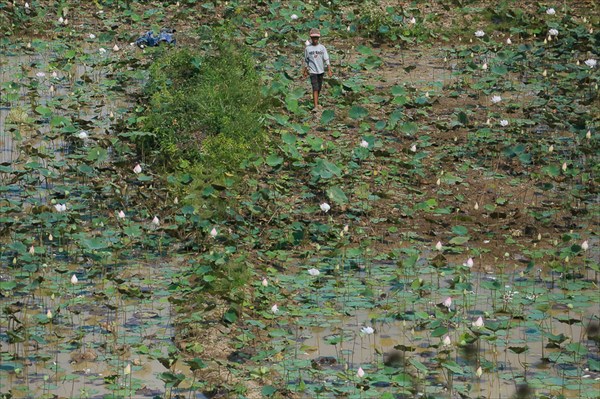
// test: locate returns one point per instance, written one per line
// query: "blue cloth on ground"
(151, 40)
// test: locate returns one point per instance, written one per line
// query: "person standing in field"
(316, 58)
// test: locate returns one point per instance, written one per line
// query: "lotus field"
(176, 221)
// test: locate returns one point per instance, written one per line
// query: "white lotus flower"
(413, 148)
(82, 135)
(325, 207)
(447, 302)
(50, 237)
(585, 246)
(553, 32)
(360, 373)
(60, 207)
(61, 20)
(121, 215)
(264, 282)
(92, 36)
(275, 308)
(496, 99)
(155, 221)
(484, 66)
(367, 330)
(479, 33)
(137, 169)
(413, 21)
(49, 314)
(102, 50)
(446, 341)
(364, 144)
(74, 279)
(476, 206)
(438, 246)
(588, 135)
(40, 74)
(293, 17)
(503, 123)
(116, 48)
(564, 166)
(214, 232)
(478, 323)
(469, 262)
(550, 11)
(479, 372)
(508, 41)
(591, 63)
(32, 250)
(314, 272)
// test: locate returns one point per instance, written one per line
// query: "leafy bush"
(206, 109)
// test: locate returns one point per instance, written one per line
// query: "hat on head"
(314, 32)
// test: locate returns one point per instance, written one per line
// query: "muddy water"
(394, 342)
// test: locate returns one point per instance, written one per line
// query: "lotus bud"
(445, 59)
(447, 302)
(266, 34)
(413, 148)
(31, 250)
(484, 66)
(438, 246)
(476, 206)
(137, 169)
(545, 73)
(478, 323)
(325, 207)
(127, 369)
(49, 314)
(551, 148)
(508, 41)
(176, 201)
(438, 182)
(274, 308)
(111, 115)
(50, 237)
(446, 341)
(588, 135)
(546, 41)
(346, 228)
(116, 48)
(264, 282)
(564, 166)
(360, 373)
(539, 237)
(585, 246)
(121, 215)
(469, 263)
(479, 372)
(155, 221)
(213, 232)
(74, 279)
(567, 259)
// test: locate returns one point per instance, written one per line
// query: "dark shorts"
(316, 80)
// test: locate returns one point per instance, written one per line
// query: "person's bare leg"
(316, 98)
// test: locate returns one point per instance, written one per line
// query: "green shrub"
(204, 110)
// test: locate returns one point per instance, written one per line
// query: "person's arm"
(305, 64)
(327, 62)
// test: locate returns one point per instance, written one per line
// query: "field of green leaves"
(176, 221)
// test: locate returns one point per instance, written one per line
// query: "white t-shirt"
(316, 58)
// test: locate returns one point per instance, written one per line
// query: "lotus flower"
(553, 32)
(74, 279)
(264, 282)
(61, 20)
(591, 63)
(476, 206)
(92, 36)
(360, 373)
(508, 41)
(479, 372)
(82, 135)
(413, 148)
(293, 17)
(49, 314)
(478, 323)
(32, 250)
(102, 50)
(367, 330)
(121, 215)
(438, 246)
(50, 237)
(214, 232)
(550, 11)
(447, 302)
(484, 66)
(314, 272)
(496, 99)
(588, 135)
(325, 207)
(127, 369)
(40, 74)
(551, 148)
(564, 166)
(413, 21)
(137, 169)
(116, 48)
(60, 207)
(155, 221)
(364, 144)
(469, 262)
(275, 308)
(479, 33)
(585, 246)
(346, 228)
(446, 341)
(503, 123)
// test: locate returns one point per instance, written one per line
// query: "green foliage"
(205, 109)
